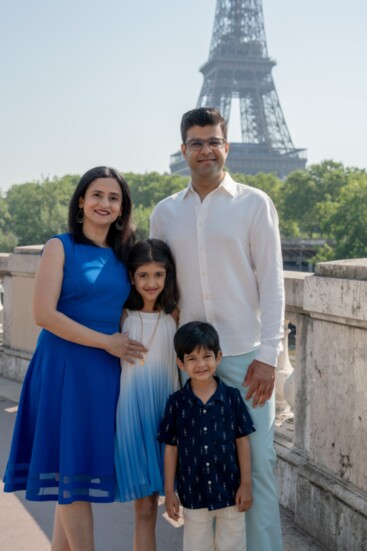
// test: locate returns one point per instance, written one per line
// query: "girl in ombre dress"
(150, 317)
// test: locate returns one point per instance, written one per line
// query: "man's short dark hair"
(202, 116)
(196, 334)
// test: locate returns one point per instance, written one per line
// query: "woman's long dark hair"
(145, 252)
(119, 240)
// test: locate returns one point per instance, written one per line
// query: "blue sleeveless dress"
(63, 441)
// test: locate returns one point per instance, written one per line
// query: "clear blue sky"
(89, 82)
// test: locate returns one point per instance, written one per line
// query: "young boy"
(205, 428)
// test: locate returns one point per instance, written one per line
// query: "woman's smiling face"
(102, 203)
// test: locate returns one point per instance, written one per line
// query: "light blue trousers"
(263, 529)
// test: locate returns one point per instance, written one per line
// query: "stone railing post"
(322, 474)
(283, 373)
(20, 333)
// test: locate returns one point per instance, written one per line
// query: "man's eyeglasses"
(213, 143)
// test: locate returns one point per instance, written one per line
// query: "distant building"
(298, 253)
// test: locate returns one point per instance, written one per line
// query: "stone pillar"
(20, 332)
(330, 437)
(283, 372)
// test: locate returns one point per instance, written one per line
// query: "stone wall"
(19, 331)
(322, 449)
(321, 471)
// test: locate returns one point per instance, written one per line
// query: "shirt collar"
(219, 395)
(228, 184)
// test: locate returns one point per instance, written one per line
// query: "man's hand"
(260, 379)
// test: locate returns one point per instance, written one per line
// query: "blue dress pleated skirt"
(63, 441)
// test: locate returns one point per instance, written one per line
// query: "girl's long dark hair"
(145, 252)
(119, 240)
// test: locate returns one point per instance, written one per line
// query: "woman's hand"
(121, 346)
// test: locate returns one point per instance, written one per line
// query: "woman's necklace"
(150, 342)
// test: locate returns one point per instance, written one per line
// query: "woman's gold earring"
(80, 216)
(119, 224)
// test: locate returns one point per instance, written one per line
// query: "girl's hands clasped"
(129, 350)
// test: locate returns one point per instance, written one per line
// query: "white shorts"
(219, 530)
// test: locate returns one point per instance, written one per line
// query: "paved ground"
(27, 526)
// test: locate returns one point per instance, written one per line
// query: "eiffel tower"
(239, 67)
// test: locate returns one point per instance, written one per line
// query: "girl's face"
(149, 280)
(102, 203)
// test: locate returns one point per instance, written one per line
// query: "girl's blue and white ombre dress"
(144, 390)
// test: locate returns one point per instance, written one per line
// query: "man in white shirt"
(225, 240)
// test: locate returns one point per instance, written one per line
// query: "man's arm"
(267, 257)
(154, 229)
(170, 466)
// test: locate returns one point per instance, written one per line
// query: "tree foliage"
(7, 239)
(38, 210)
(346, 220)
(326, 200)
(150, 188)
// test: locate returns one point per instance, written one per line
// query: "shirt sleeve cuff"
(269, 354)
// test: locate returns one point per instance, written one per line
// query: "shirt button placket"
(202, 256)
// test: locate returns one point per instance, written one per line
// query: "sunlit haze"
(86, 82)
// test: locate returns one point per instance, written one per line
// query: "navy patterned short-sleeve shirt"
(208, 474)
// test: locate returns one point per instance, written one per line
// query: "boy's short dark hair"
(202, 116)
(196, 334)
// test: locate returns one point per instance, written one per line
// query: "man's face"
(206, 161)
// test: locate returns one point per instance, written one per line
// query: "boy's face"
(200, 364)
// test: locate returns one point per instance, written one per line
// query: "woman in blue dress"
(63, 441)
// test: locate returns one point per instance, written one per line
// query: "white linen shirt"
(229, 264)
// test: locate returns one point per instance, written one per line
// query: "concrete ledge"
(334, 512)
(294, 285)
(340, 298)
(343, 269)
(4, 263)
(29, 249)
(25, 262)
(14, 363)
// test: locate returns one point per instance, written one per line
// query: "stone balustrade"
(321, 469)
(20, 334)
(321, 429)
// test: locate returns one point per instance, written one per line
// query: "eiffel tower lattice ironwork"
(239, 67)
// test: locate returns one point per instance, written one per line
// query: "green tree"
(39, 209)
(7, 239)
(346, 223)
(150, 188)
(141, 217)
(269, 183)
(308, 197)
(325, 200)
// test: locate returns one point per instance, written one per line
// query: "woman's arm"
(47, 290)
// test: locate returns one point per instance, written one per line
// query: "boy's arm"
(170, 467)
(244, 492)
